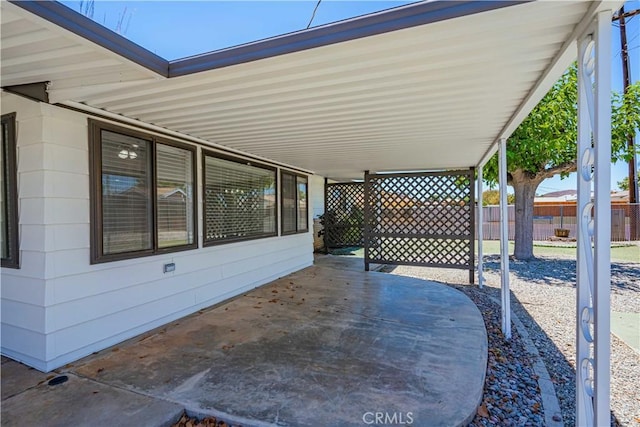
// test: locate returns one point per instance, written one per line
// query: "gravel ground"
(543, 297)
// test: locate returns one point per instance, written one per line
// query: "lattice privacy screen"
(344, 215)
(422, 218)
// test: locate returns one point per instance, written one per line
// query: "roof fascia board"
(70, 20)
(369, 25)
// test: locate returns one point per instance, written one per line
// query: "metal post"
(480, 230)
(602, 216)
(325, 235)
(504, 240)
(594, 266)
(472, 220)
(367, 221)
(584, 406)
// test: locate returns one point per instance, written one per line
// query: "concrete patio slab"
(83, 402)
(17, 378)
(323, 346)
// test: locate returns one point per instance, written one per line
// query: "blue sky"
(177, 29)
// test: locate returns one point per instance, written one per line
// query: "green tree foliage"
(624, 183)
(492, 197)
(545, 145)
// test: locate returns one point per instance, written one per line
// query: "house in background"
(136, 191)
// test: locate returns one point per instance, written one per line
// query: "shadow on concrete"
(625, 276)
(548, 272)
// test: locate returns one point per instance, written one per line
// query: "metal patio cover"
(432, 85)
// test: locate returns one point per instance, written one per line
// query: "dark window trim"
(210, 153)
(298, 230)
(11, 181)
(95, 182)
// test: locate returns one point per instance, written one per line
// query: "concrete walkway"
(325, 346)
(626, 326)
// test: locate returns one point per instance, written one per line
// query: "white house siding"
(316, 195)
(58, 307)
(23, 292)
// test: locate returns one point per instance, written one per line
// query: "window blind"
(288, 203)
(240, 200)
(294, 203)
(126, 190)
(174, 192)
(303, 216)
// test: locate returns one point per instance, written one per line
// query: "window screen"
(174, 196)
(126, 189)
(240, 200)
(294, 203)
(8, 194)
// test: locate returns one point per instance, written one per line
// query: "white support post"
(602, 215)
(584, 407)
(594, 265)
(504, 240)
(480, 231)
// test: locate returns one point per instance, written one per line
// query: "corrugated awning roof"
(426, 86)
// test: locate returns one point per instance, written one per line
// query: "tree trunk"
(525, 192)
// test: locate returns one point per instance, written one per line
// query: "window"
(295, 218)
(143, 194)
(239, 199)
(9, 194)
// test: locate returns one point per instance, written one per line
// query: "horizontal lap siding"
(23, 294)
(85, 308)
(156, 303)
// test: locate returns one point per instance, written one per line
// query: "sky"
(178, 29)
